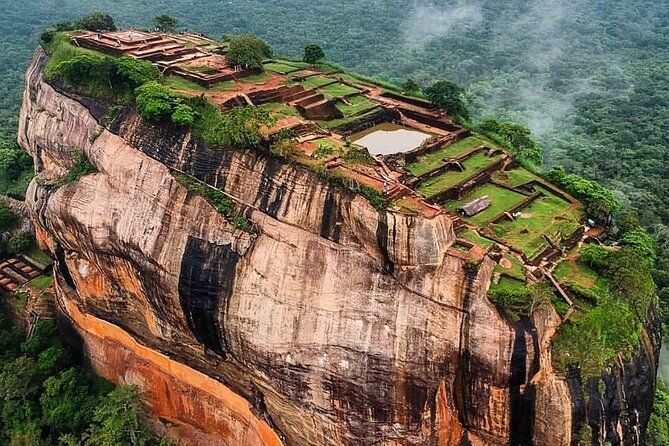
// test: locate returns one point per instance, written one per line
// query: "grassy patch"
(223, 86)
(217, 199)
(292, 62)
(472, 165)
(337, 90)
(38, 255)
(582, 279)
(41, 282)
(355, 78)
(473, 237)
(179, 83)
(256, 78)
(501, 200)
(280, 68)
(280, 110)
(516, 270)
(514, 178)
(316, 81)
(429, 161)
(355, 106)
(203, 69)
(548, 215)
(347, 120)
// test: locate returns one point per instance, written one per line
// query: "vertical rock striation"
(333, 324)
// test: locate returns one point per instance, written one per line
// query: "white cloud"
(427, 21)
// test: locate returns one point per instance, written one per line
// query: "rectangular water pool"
(387, 138)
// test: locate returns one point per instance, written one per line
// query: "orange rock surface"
(190, 406)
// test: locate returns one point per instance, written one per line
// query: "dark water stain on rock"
(332, 220)
(268, 189)
(205, 287)
(522, 402)
(382, 241)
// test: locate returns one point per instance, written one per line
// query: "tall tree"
(410, 85)
(248, 51)
(313, 53)
(450, 97)
(97, 21)
(67, 402)
(117, 420)
(165, 23)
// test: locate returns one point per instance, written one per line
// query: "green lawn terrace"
(584, 286)
(281, 66)
(455, 175)
(478, 183)
(539, 227)
(502, 200)
(354, 106)
(424, 163)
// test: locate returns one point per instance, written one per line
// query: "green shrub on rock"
(135, 72)
(183, 115)
(8, 219)
(599, 201)
(98, 75)
(156, 102)
(81, 167)
(595, 256)
(20, 243)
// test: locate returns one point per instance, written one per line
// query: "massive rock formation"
(332, 324)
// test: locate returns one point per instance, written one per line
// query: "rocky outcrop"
(332, 324)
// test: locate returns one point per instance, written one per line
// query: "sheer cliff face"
(334, 324)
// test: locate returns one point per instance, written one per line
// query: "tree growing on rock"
(8, 219)
(241, 127)
(410, 86)
(165, 23)
(155, 102)
(450, 97)
(248, 51)
(97, 21)
(519, 137)
(313, 53)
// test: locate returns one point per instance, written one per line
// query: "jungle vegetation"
(46, 398)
